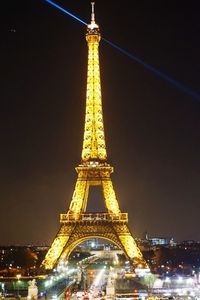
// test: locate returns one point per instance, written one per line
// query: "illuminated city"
(95, 252)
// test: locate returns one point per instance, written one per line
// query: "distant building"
(189, 244)
(161, 241)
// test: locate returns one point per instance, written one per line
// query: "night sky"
(152, 128)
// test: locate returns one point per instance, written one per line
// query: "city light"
(98, 278)
(18, 276)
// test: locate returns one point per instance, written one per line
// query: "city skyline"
(151, 127)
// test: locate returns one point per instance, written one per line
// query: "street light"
(18, 278)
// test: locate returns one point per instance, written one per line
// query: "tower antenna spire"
(92, 14)
(93, 24)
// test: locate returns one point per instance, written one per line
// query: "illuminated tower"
(77, 226)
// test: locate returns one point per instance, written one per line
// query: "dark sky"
(152, 127)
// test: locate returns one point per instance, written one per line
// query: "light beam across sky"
(149, 67)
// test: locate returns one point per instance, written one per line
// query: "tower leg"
(130, 247)
(57, 247)
(79, 197)
(110, 197)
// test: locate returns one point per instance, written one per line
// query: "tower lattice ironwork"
(77, 225)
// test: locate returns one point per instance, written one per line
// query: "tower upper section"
(94, 146)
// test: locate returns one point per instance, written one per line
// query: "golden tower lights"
(77, 225)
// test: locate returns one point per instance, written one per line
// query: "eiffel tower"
(77, 226)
